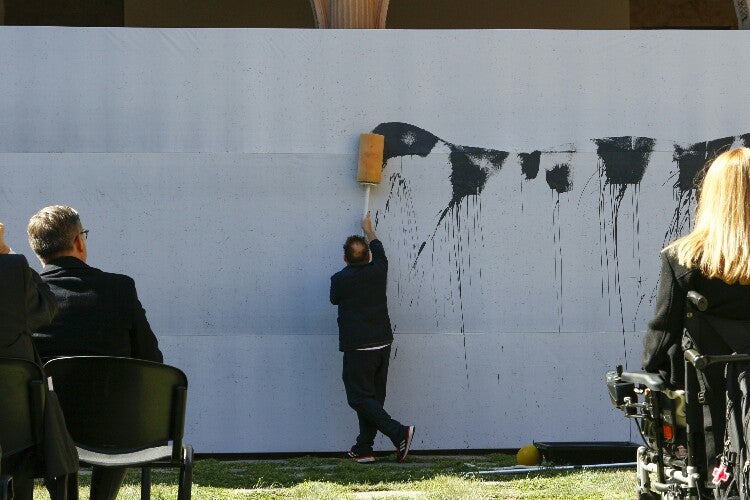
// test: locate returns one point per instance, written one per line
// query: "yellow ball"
(529, 455)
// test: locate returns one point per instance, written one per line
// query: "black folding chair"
(6, 481)
(22, 414)
(122, 412)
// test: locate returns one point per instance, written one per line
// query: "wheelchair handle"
(696, 359)
(699, 301)
(701, 361)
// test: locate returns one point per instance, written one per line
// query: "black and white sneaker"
(356, 457)
(405, 444)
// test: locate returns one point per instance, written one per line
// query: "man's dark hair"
(356, 250)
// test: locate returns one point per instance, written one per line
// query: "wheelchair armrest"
(653, 381)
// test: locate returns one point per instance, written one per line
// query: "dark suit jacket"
(662, 344)
(359, 291)
(100, 315)
(26, 303)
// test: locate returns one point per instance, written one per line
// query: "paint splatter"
(621, 166)
(624, 158)
(402, 139)
(690, 162)
(622, 163)
(470, 168)
(405, 218)
(530, 164)
(558, 180)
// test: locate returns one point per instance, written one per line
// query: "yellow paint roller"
(370, 167)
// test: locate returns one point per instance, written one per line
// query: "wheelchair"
(683, 421)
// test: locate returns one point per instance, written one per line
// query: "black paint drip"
(405, 216)
(622, 163)
(691, 161)
(624, 158)
(470, 169)
(558, 178)
(530, 164)
(621, 168)
(470, 166)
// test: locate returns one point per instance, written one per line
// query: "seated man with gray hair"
(99, 312)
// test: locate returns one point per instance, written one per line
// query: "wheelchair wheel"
(648, 495)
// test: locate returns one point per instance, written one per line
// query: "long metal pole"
(541, 468)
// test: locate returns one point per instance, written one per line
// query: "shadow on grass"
(294, 471)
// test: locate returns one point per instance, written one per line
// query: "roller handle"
(367, 201)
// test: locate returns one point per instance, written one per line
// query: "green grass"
(427, 477)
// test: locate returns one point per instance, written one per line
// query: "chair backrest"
(117, 405)
(21, 405)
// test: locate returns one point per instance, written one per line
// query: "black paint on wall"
(621, 167)
(691, 160)
(624, 159)
(530, 164)
(470, 168)
(622, 163)
(558, 178)
(403, 139)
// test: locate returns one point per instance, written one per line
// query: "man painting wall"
(365, 337)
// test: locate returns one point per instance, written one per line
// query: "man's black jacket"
(99, 314)
(359, 291)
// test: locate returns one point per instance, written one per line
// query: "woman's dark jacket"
(662, 350)
(359, 291)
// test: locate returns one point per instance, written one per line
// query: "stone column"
(358, 14)
(743, 14)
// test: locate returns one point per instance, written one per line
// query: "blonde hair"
(719, 244)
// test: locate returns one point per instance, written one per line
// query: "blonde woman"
(714, 260)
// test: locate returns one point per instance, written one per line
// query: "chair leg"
(63, 487)
(186, 474)
(6, 486)
(60, 487)
(145, 483)
(73, 486)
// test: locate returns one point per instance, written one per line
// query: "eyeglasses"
(85, 234)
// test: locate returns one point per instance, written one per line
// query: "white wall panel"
(217, 168)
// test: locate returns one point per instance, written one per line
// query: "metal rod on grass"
(504, 471)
